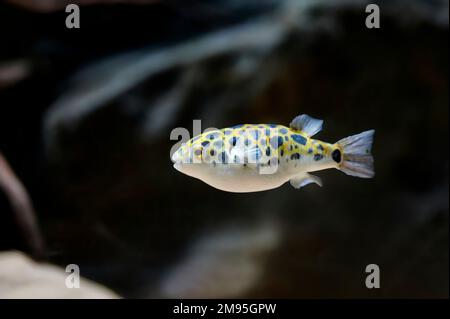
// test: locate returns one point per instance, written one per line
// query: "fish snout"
(176, 157)
(177, 160)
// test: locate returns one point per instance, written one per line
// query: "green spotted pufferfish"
(258, 157)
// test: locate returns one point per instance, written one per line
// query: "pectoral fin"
(304, 179)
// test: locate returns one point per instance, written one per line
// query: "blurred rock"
(223, 264)
(22, 278)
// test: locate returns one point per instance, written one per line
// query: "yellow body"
(281, 141)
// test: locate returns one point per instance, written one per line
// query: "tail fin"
(357, 159)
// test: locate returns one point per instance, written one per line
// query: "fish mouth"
(177, 166)
(175, 158)
(177, 161)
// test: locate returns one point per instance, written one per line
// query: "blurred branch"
(55, 5)
(22, 207)
(12, 72)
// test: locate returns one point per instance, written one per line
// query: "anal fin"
(304, 179)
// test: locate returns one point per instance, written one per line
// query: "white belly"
(236, 178)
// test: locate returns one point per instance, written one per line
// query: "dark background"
(86, 114)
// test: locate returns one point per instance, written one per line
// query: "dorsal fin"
(306, 124)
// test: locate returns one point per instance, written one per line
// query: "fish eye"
(336, 155)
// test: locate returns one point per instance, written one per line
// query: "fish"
(258, 157)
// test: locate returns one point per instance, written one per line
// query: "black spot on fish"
(258, 153)
(276, 141)
(299, 139)
(227, 132)
(268, 151)
(286, 138)
(205, 143)
(255, 134)
(263, 142)
(295, 156)
(246, 142)
(223, 157)
(336, 155)
(320, 147)
(283, 130)
(272, 125)
(281, 152)
(198, 152)
(310, 150)
(267, 131)
(318, 157)
(233, 140)
(212, 152)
